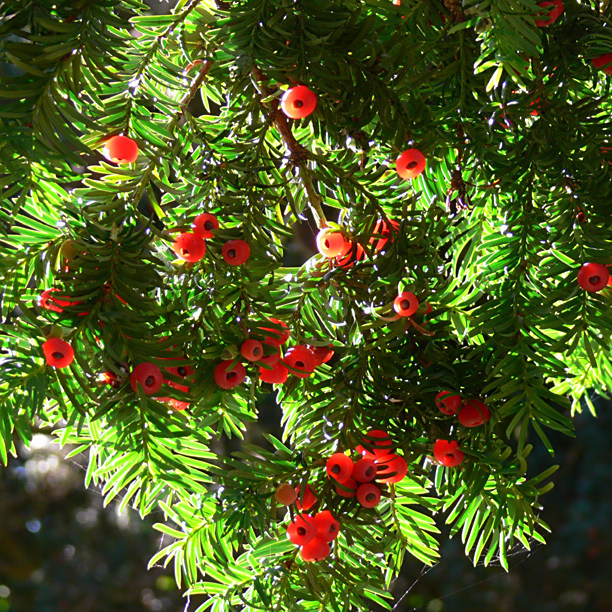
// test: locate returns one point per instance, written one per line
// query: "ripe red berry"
(348, 488)
(339, 467)
(178, 405)
(364, 470)
(331, 243)
(473, 413)
(252, 350)
(347, 259)
(395, 465)
(204, 225)
(228, 377)
(58, 353)
(406, 304)
(322, 354)
(316, 550)
(52, 302)
(380, 445)
(447, 453)
(236, 252)
(149, 376)
(273, 358)
(298, 102)
(368, 495)
(603, 62)
(181, 371)
(309, 498)
(120, 150)
(276, 375)
(189, 247)
(302, 529)
(448, 402)
(327, 526)
(410, 164)
(300, 361)
(552, 14)
(277, 336)
(593, 277)
(285, 494)
(383, 233)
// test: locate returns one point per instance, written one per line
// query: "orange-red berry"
(368, 495)
(447, 452)
(331, 243)
(298, 102)
(58, 353)
(148, 376)
(300, 361)
(354, 253)
(603, 62)
(364, 470)
(383, 233)
(348, 488)
(328, 527)
(316, 550)
(228, 378)
(302, 529)
(473, 413)
(277, 374)
(410, 164)
(553, 13)
(189, 247)
(448, 402)
(392, 470)
(593, 277)
(379, 445)
(236, 252)
(252, 350)
(120, 150)
(204, 225)
(339, 467)
(285, 494)
(306, 497)
(406, 304)
(277, 336)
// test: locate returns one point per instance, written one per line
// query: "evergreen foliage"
(491, 236)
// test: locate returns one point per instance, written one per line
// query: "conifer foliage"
(459, 156)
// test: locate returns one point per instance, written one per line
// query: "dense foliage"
(513, 120)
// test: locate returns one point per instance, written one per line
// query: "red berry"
(149, 376)
(327, 526)
(322, 354)
(553, 13)
(448, 402)
(189, 247)
(277, 336)
(285, 494)
(302, 529)
(382, 233)
(447, 453)
(58, 352)
(331, 243)
(604, 62)
(593, 277)
(410, 164)
(236, 252)
(364, 470)
(298, 102)
(228, 378)
(316, 550)
(368, 495)
(178, 405)
(120, 150)
(396, 465)
(204, 225)
(300, 361)
(406, 304)
(52, 302)
(276, 375)
(252, 350)
(473, 413)
(355, 253)
(309, 498)
(348, 488)
(181, 371)
(273, 358)
(339, 467)
(379, 443)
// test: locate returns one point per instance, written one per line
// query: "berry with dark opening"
(603, 62)
(354, 253)
(148, 376)
(448, 402)
(58, 353)
(236, 252)
(298, 102)
(302, 529)
(306, 498)
(552, 10)
(189, 247)
(364, 470)
(285, 494)
(328, 527)
(339, 467)
(379, 445)
(252, 350)
(405, 304)
(473, 413)
(228, 377)
(276, 375)
(204, 225)
(410, 164)
(383, 232)
(322, 354)
(392, 470)
(593, 277)
(277, 336)
(447, 452)
(331, 243)
(120, 150)
(368, 495)
(316, 550)
(300, 361)
(348, 488)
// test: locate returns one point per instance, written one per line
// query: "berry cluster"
(313, 534)
(470, 413)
